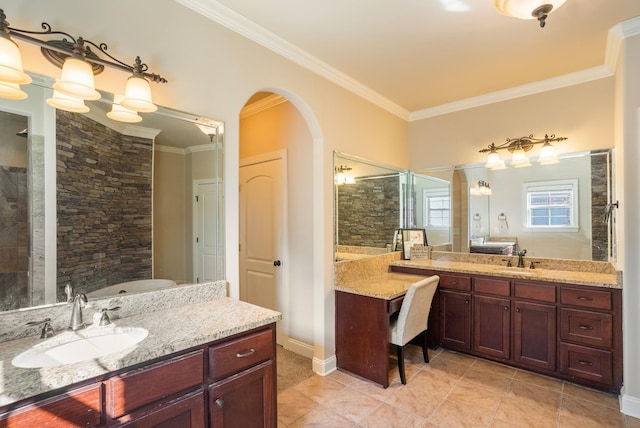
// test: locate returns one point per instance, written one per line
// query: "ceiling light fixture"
(79, 63)
(528, 9)
(518, 148)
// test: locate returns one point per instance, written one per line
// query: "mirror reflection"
(130, 201)
(552, 211)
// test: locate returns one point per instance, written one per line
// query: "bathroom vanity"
(202, 364)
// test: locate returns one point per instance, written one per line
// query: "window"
(552, 205)
(437, 208)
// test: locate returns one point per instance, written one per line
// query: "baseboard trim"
(299, 347)
(629, 405)
(324, 367)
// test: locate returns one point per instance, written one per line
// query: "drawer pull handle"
(585, 298)
(219, 403)
(585, 363)
(454, 282)
(246, 353)
(585, 327)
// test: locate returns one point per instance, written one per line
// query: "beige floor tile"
(526, 392)
(410, 370)
(447, 367)
(351, 404)
(322, 417)
(434, 383)
(319, 388)
(501, 424)
(475, 397)
(376, 391)
(631, 422)
(456, 357)
(342, 377)
(387, 416)
(525, 414)
(456, 415)
(600, 397)
(416, 401)
(292, 405)
(487, 380)
(579, 413)
(495, 368)
(539, 380)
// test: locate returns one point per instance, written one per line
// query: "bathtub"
(133, 287)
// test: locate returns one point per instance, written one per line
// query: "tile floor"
(452, 391)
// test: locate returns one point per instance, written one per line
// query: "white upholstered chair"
(413, 319)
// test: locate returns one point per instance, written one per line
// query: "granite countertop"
(170, 330)
(387, 285)
(595, 279)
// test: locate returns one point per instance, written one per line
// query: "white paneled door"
(262, 196)
(208, 242)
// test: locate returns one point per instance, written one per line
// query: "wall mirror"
(92, 202)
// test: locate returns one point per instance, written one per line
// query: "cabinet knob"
(506, 308)
(220, 403)
(466, 301)
(517, 309)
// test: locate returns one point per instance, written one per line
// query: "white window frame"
(432, 193)
(550, 186)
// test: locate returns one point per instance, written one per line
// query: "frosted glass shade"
(494, 161)
(519, 158)
(547, 155)
(137, 95)
(122, 114)
(11, 91)
(523, 8)
(65, 102)
(77, 80)
(11, 63)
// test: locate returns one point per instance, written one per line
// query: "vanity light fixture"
(79, 63)
(519, 148)
(482, 188)
(341, 178)
(528, 9)
(122, 114)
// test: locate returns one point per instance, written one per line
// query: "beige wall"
(583, 113)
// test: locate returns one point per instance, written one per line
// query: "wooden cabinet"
(568, 331)
(590, 335)
(227, 383)
(80, 407)
(243, 389)
(455, 312)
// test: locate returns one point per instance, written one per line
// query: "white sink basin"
(75, 346)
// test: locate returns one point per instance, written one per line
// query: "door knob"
(276, 263)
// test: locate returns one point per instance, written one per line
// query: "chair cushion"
(414, 312)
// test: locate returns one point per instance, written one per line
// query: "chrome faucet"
(79, 301)
(521, 258)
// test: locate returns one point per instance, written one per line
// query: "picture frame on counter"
(409, 238)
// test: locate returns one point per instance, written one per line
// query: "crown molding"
(200, 148)
(232, 20)
(558, 82)
(168, 149)
(184, 151)
(262, 105)
(249, 29)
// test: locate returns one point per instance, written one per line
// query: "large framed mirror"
(91, 202)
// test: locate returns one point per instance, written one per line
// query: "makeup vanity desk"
(363, 313)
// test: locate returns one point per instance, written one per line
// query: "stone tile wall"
(599, 198)
(104, 182)
(368, 211)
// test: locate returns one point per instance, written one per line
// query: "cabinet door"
(455, 320)
(245, 400)
(534, 334)
(491, 326)
(184, 412)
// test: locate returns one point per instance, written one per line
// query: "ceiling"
(414, 55)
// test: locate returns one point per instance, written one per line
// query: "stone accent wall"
(14, 239)
(368, 211)
(600, 165)
(104, 204)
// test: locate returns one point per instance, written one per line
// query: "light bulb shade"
(523, 8)
(349, 179)
(494, 161)
(122, 114)
(11, 91)
(65, 102)
(137, 95)
(547, 155)
(519, 158)
(340, 178)
(11, 62)
(77, 80)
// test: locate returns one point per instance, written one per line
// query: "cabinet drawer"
(395, 304)
(497, 287)
(586, 363)
(585, 297)
(530, 291)
(78, 408)
(455, 282)
(135, 389)
(234, 356)
(589, 328)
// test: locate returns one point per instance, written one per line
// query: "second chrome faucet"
(78, 302)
